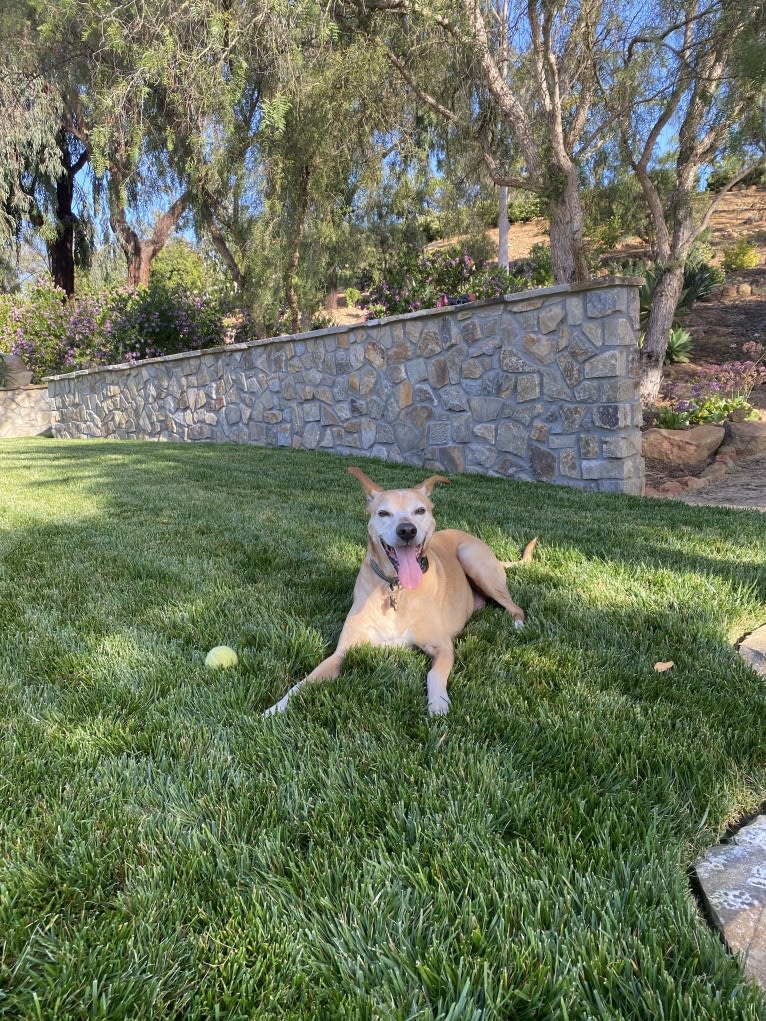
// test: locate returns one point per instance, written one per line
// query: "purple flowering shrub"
(435, 279)
(716, 393)
(53, 335)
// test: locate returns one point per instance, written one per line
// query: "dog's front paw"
(438, 706)
(278, 707)
(518, 623)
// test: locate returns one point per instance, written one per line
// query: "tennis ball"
(221, 658)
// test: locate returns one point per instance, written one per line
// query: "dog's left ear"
(370, 487)
(428, 484)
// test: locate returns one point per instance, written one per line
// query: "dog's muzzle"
(409, 562)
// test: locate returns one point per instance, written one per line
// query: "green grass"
(167, 853)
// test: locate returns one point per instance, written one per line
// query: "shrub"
(742, 255)
(540, 264)
(52, 334)
(435, 279)
(352, 294)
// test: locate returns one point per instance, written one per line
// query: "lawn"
(165, 852)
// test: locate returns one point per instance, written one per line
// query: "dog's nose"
(406, 531)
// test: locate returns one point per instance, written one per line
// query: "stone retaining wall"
(25, 411)
(541, 385)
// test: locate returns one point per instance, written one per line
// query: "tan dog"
(416, 586)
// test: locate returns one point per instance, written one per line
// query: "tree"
(688, 75)
(43, 146)
(521, 80)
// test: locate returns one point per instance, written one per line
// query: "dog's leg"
(327, 670)
(442, 661)
(488, 575)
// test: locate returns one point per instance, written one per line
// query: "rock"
(744, 290)
(683, 446)
(731, 878)
(753, 650)
(18, 374)
(692, 482)
(747, 438)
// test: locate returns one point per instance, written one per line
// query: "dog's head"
(401, 523)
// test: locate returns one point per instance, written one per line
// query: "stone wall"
(540, 385)
(25, 411)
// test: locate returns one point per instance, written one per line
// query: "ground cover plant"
(167, 853)
(714, 393)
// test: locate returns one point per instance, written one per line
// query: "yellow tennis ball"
(221, 658)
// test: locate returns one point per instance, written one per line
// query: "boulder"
(747, 438)
(18, 374)
(683, 446)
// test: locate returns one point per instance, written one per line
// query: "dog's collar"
(393, 583)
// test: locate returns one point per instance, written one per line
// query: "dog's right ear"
(371, 488)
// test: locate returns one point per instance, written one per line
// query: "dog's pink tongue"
(410, 573)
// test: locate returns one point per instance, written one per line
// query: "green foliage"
(5, 372)
(730, 167)
(742, 255)
(713, 409)
(438, 278)
(716, 392)
(679, 346)
(178, 267)
(540, 265)
(352, 295)
(699, 280)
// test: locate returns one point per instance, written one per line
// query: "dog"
(417, 586)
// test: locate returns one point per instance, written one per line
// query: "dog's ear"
(428, 484)
(371, 488)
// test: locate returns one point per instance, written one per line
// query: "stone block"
(528, 387)
(429, 344)
(513, 438)
(569, 463)
(550, 317)
(438, 373)
(438, 434)
(605, 302)
(485, 409)
(542, 349)
(609, 363)
(543, 463)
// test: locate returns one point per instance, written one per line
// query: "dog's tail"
(526, 556)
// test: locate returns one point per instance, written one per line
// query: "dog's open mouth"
(408, 562)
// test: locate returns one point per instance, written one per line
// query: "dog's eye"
(419, 510)
(384, 514)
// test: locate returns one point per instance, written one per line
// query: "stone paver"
(732, 876)
(733, 881)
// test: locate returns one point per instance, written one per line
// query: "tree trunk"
(291, 293)
(61, 248)
(664, 302)
(567, 227)
(502, 228)
(140, 253)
